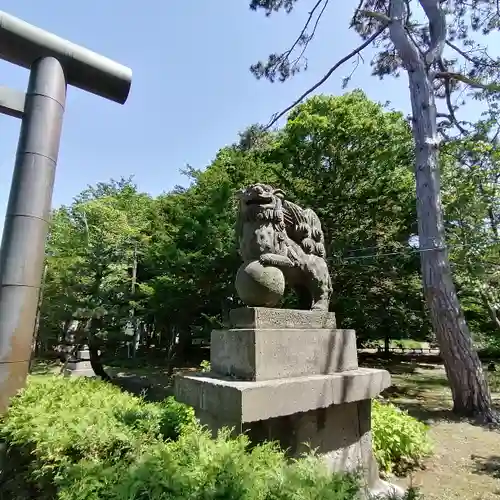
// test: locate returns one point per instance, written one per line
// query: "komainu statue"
(280, 243)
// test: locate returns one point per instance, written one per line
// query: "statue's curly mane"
(304, 227)
(269, 212)
(262, 203)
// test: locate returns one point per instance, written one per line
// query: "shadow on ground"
(396, 366)
(141, 386)
(423, 390)
(153, 383)
(487, 465)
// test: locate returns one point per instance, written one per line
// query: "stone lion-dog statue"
(280, 243)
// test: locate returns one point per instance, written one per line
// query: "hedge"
(81, 439)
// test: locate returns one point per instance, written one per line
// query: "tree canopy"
(347, 157)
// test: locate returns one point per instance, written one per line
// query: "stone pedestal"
(79, 365)
(293, 377)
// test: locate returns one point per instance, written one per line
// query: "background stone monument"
(78, 365)
(287, 375)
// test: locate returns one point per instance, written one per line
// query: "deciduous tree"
(350, 159)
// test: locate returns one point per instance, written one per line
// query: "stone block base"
(290, 376)
(340, 434)
(268, 318)
(80, 366)
(329, 412)
(233, 402)
(260, 354)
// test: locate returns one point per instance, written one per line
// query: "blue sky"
(191, 93)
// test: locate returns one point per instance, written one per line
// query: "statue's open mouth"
(260, 200)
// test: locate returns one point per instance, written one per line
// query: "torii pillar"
(54, 63)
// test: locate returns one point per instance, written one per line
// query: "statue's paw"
(321, 305)
(266, 260)
(269, 259)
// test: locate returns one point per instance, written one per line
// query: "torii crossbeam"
(54, 63)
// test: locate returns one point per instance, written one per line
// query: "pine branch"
(357, 12)
(449, 75)
(313, 33)
(329, 73)
(302, 34)
(449, 104)
(375, 15)
(281, 63)
(471, 59)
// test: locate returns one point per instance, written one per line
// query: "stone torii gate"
(54, 63)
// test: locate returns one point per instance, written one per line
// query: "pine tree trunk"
(470, 392)
(471, 396)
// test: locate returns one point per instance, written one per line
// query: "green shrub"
(205, 366)
(400, 442)
(198, 467)
(57, 422)
(80, 439)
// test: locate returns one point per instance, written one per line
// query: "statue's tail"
(304, 227)
(316, 237)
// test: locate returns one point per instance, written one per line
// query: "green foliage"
(410, 494)
(84, 440)
(192, 258)
(80, 439)
(90, 254)
(400, 442)
(433, 42)
(199, 467)
(349, 158)
(176, 418)
(471, 192)
(57, 422)
(205, 366)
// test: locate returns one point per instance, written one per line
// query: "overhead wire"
(407, 251)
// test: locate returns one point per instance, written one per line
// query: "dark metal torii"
(54, 63)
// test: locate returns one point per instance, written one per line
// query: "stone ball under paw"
(260, 286)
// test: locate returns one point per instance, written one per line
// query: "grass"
(422, 388)
(406, 343)
(45, 367)
(153, 382)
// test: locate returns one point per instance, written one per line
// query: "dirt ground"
(466, 460)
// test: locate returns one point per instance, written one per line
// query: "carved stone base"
(256, 354)
(233, 403)
(293, 377)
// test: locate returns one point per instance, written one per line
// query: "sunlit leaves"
(471, 193)
(91, 251)
(350, 159)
